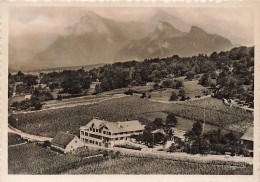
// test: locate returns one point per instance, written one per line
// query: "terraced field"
(49, 122)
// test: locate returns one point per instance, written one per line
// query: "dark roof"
(116, 127)
(62, 139)
(249, 134)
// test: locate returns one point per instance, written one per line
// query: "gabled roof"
(249, 134)
(159, 131)
(116, 127)
(62, 139)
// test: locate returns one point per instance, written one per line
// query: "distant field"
(192, 88)
(14, 139)
(134, 165)
(136, 88)
(48, 123)
(73, 101)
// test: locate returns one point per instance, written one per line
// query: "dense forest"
(230, 74)
(233, 71)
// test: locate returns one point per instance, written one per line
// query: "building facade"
(108, 134)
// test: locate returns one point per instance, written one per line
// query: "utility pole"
(204, 114)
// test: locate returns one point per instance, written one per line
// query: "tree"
(170, 134)
(171, 120)
(30, 80)
(144, 75)
(158, 137)
(98, 89)
(37, 106)
(147, 137)
(182, 93)
(173, 97)
(190, 75)
(205, 80)
(204, 146)
(197, 128)
(167, 83)
(53, 86)
(86, 83)
(172, 148)
(156, 86)
(10, 91)
(178, 84)
(158, 122)
(143, 95)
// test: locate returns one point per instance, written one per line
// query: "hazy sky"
(44, 24)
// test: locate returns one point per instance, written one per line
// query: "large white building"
(108, 134)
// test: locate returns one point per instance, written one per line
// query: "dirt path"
(179, 155)
(17, 144)
(176, 155)
(27, 136)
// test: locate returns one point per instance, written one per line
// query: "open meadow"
(49, 122)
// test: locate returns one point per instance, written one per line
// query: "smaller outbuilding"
(248, 139)
(66, 142)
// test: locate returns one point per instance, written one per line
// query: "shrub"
(171, 120)
(59, 97)
(38, 106)
(173, 97)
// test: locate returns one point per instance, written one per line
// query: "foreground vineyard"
(139, 165)
(48, 123)
(34, 159)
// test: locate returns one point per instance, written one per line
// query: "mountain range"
(95, 39)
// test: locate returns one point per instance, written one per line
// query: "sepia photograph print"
(131, 90)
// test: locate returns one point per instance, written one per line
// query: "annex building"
(108, 134)
(66, 142)
(248, 139)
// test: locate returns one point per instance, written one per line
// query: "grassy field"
(192, 88)
(140, 165)
(48, 123)
(33, 159)
(14, 139)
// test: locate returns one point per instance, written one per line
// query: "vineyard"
(14, 139)
(145, 165)
(33, 159)
(48, 123)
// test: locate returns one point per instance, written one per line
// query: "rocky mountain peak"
(197, 30)
(90, 15)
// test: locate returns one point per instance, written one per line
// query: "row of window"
(99, 131)
(91, 141)
(106, 132)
